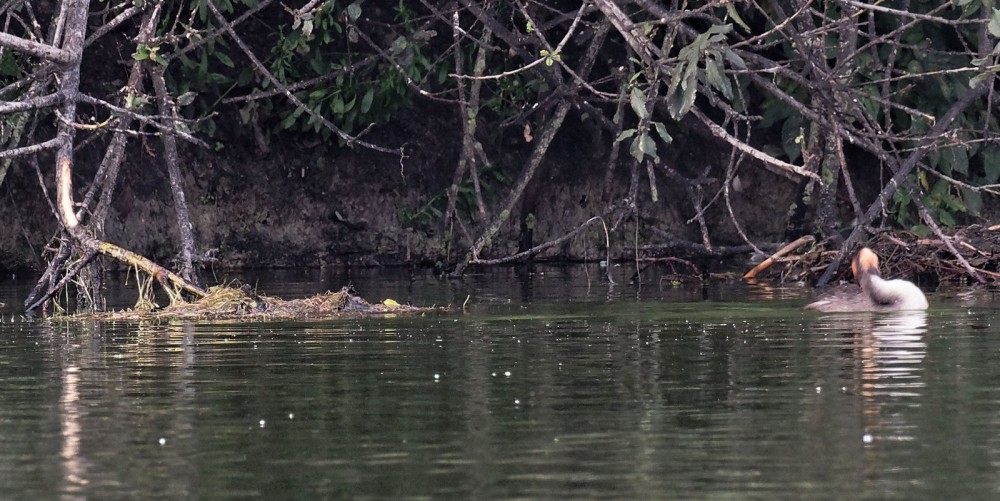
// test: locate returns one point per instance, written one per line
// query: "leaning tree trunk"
(82, 241)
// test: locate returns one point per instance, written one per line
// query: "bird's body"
(872, 292)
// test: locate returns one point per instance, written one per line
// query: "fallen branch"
(808, 239)
(552, 243)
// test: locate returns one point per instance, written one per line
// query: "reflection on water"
(552, 385)
(69, 406)
(892, 351)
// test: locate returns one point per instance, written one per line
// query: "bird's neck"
(886, 292)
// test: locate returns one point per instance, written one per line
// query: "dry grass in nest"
(228, 302)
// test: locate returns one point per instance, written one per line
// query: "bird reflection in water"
(889, 354)
(69, 402)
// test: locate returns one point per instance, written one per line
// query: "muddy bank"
(309, 203)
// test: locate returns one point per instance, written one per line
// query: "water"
(549, 385)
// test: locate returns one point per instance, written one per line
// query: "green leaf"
(625, 134)
(648, 146)
(638, 101)
(957, 160)
(366, 100)
(731, 11)
(718, 29)
(662, 131)
(946, 218)
(991, 164)
(979, 78)
(734, 59)
(973, 201)
(994, 24)
(940, 188)
(635, 150)
(224, 59)
(714, 72)
(8, 65)
(675, 79)
(791, 131)
(353, 11)
(920, 230)
(186, 98)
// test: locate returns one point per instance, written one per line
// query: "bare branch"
(36, 49)
(31, 104)
(28, 150)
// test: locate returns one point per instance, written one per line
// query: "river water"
(550, 384)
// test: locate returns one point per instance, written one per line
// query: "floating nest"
(228, 302)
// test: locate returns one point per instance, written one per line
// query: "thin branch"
(784, 168)
(34, 148)
(151, 120)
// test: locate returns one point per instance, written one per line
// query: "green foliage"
(703, 60)
(642, 144)
(10, 67)
(550, 57)
(143, 53)
(298, 47)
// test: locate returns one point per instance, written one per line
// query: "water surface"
(550, 384)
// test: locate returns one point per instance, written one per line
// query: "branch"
(150, 120)
(36, 49)
(31, 104)
(28, 150)
(541, 247)
(784, 168)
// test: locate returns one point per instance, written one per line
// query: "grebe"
(872, 293)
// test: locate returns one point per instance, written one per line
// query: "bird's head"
(865, 263)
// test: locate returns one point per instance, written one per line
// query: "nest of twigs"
(228, 302)
(929, 260)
